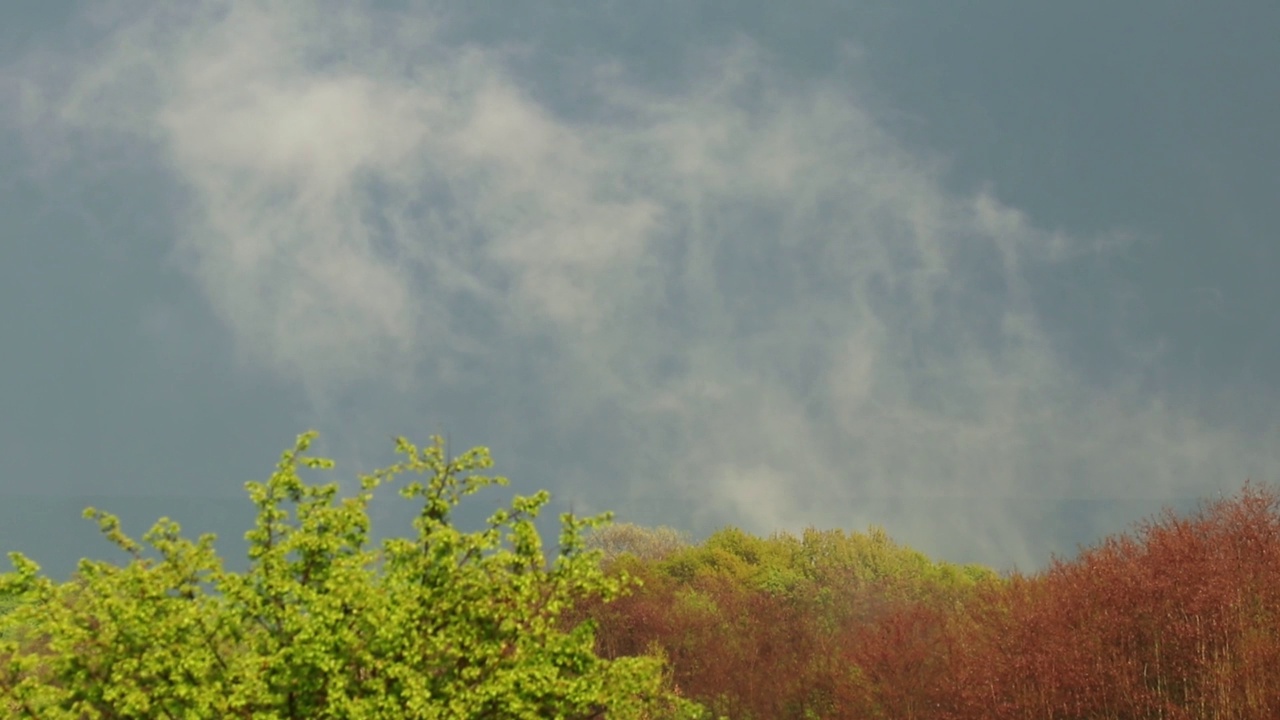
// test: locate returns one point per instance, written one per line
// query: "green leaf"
(445, 625)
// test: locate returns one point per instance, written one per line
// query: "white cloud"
(752, 261)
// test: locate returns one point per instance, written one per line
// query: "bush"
(450, 625)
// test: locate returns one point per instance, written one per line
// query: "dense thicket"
(1174, 620)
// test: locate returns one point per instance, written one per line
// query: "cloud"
(745, 291)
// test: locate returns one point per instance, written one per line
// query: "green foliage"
(829, 624)
(832, 559)
(740, 556)
(448, 625)
(8, 603)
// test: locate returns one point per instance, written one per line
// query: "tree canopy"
(446, 625)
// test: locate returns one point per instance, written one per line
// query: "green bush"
(8, 603)
(449, 625)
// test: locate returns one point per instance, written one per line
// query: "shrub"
(449, 625)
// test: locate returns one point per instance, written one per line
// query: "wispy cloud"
(745, 291)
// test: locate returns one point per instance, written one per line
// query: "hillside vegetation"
(1174, 620)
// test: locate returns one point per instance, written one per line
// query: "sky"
(995, 276)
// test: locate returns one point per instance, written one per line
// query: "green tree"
(449, 625)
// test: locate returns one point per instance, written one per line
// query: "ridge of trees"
(1175, 619)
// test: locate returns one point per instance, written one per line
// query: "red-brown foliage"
(1174, 623)
(904, 655)
(1177, 620)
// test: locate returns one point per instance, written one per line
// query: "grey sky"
(997, 277)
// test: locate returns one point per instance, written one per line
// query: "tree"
(450, 625)
(617, 539)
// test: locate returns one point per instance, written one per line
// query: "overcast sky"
(997, 276)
